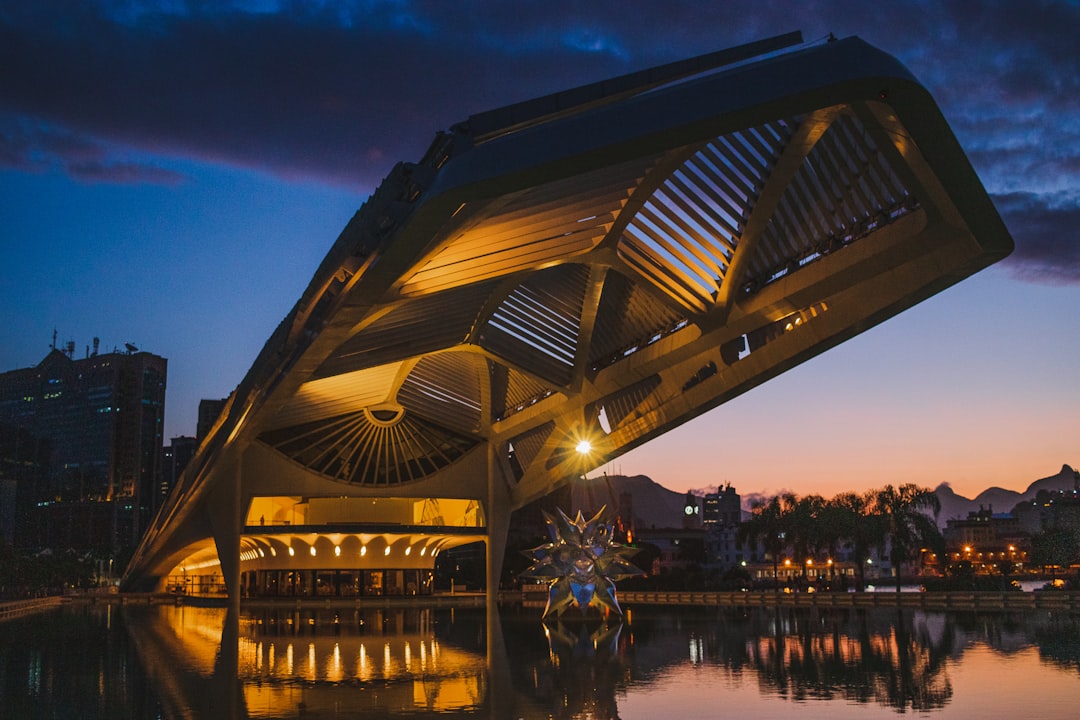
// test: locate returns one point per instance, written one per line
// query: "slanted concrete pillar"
(225, 698)
(498, 524)
(500, 685)
(225, 508)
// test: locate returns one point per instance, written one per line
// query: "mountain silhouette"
(655, 506)
(954, 506)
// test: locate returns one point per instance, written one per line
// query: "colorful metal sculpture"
(581, 564)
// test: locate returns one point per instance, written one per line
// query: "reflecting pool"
(128, 661)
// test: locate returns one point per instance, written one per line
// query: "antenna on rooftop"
(131, 348)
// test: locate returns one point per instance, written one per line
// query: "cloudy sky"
(171, 174)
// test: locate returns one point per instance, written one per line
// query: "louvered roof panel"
(685, 235)
(407, 331)
(627, 317)
(537, 326)
(446, 388)
(552, 221)
(339, 394)
(521, 391)
(844, 187)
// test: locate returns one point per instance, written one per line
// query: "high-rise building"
(174, 458)
(723, 507)
(82, 440)
(209, 412)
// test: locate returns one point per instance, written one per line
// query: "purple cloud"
(32, 147)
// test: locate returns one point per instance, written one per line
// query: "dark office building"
(209, 412)
(723, 507)
(174, 458)
(82, 439)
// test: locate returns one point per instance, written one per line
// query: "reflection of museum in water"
(337, 547)
(280, 661)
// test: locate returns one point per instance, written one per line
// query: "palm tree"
(769, 523)
(850, 515)
(909, 512)
(806, 536)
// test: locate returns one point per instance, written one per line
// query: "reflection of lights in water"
(274, 680)
(697, 651)
(33, 680)
(334, 673)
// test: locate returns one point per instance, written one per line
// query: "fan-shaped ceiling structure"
(603, 264)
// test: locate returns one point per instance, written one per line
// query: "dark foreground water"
(171, 662)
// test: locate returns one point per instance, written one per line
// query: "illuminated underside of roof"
(605, 263)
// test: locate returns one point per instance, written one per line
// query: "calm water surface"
(171, 662)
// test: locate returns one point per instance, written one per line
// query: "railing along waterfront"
(19, 608)
(982, 600)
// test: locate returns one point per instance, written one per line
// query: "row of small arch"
(343, 547)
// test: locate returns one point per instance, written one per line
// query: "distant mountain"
(654, 505)
(954, 506)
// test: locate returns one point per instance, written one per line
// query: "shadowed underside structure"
(602, 264)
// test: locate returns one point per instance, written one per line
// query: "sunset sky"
(172, 173)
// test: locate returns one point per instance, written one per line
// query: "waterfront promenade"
(982, 600)
(14, 609)
(1055, 600)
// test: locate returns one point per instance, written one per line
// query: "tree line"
(899, 521)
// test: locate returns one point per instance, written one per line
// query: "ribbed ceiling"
(371, 447)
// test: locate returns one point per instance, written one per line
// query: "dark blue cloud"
(1048, 241)
(339, 91)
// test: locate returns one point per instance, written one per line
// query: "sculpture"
(582, 563)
